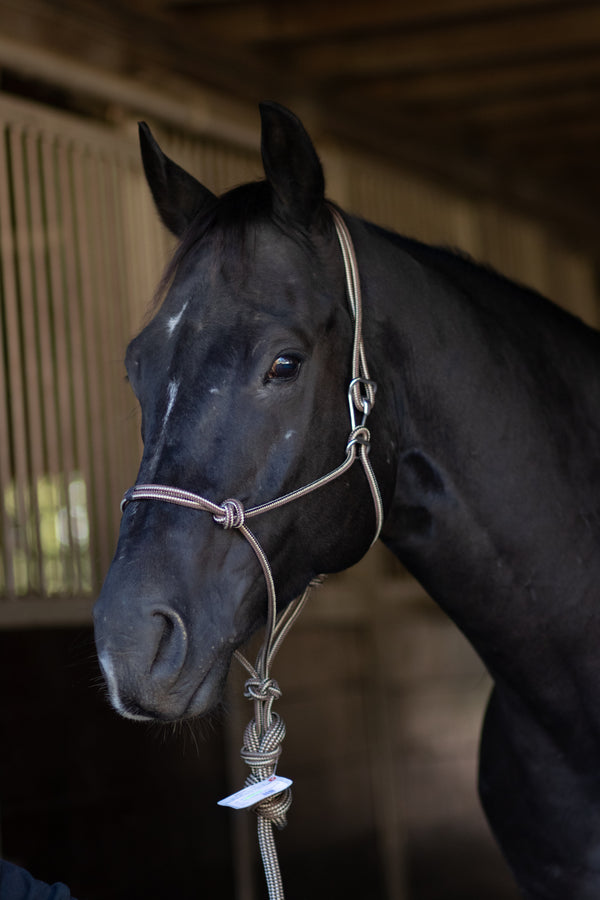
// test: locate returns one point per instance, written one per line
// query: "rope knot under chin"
(233, 514)
(262, 689)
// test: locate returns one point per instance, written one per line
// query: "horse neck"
(495, 505)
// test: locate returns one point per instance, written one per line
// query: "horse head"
(242, 377)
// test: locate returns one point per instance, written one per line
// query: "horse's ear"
(291, 165)
(178, 196)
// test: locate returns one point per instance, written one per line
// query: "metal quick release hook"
(361, 397)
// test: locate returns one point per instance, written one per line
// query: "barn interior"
(468, 123)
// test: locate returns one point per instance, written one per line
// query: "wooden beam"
(152, 48)
(563, 104)
(198, 110)
(521, 37)
(36, 613)
(573, 216)
(553, 111)
(524, 130)
(482, 82)
(551, 143)
(278, 21)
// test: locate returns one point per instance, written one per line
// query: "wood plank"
(104, 276)
(18, 329)
(75, 343)
(31, 612)
(12, 387)
(478, 84)
(555, 112)
(39, 338)
(532, 34)
(558, 109)
(119, 44)
(57, 204)
(552, 136)
(89, 300)
(288, 20)
(473, 175)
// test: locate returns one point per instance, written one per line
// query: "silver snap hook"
(361, 398)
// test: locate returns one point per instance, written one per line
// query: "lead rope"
(264, 734)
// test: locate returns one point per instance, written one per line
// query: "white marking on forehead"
(153, 460)
(172, 391)
(215, 390)
(174, 321)
(289, 434)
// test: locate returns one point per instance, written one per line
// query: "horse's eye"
(285, 367)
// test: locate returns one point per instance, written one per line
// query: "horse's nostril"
(171, 644)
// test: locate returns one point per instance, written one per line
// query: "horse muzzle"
(150, 671)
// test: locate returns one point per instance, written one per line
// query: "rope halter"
(265, 732)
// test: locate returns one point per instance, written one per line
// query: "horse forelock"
(229, 222)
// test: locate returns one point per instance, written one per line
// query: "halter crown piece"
(263, 736)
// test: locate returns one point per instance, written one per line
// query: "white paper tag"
(254, 793)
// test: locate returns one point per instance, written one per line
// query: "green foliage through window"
(47, 536)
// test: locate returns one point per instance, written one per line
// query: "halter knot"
(233, 514)
(274, 809)
(261, 753)
(262, 689)
(260, 759)
(360, 435)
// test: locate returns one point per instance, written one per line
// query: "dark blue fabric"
(18, 884)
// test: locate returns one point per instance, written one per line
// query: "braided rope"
(233, 516)
(265, 732)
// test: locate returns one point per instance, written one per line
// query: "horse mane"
(493, 292)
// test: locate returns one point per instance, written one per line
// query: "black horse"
(484, 441)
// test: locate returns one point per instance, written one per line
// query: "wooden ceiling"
(497, 97)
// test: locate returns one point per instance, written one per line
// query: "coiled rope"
(264, 734)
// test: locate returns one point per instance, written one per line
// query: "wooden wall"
(81, 253)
